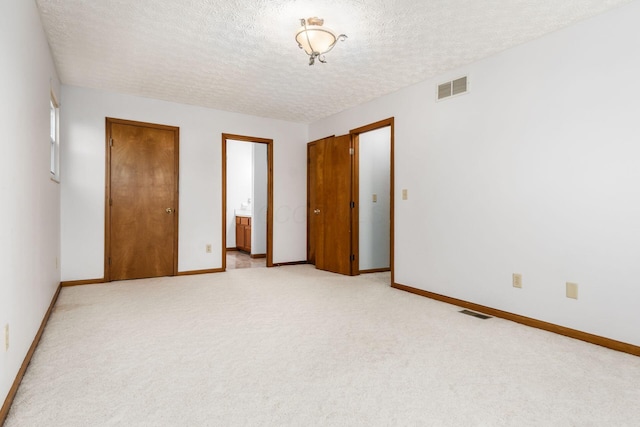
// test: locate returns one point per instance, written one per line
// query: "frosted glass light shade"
(315, 38)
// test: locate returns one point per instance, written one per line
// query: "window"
(54, 140)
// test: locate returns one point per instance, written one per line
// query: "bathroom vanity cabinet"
(243, 233)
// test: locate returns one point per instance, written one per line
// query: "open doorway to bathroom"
(247, 199)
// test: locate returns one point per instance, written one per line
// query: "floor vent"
(474, 314)
(452, 88)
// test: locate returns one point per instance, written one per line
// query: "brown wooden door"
(142, 205)
(330, 204)
(315, 157)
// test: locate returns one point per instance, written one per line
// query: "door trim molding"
(356, 230)
(107, 216)
(244, 138)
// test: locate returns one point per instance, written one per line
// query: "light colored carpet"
(298, 346)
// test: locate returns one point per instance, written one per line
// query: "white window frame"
(54, 138)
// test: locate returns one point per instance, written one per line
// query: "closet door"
(330, 204)
(142, 200)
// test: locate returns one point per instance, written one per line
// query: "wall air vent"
(452, 88)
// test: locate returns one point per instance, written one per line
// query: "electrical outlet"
(572, 290)
(405, 194)
(57, 263)
(517, 280)
(6, 337)
(208, 248)
(375, 198)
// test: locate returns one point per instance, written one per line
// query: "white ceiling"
(240, 55)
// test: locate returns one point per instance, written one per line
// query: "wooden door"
(315, 158)
(142, 200)
(330, 204)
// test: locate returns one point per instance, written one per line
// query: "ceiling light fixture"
(315, 39)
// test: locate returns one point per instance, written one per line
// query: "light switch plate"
(517, 280)
(572, 290)
(404, 194)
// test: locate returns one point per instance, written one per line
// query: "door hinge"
(353, 205)
(110, 142)
(109, 260)
(110, 202)
(353, 257)
(351, 151)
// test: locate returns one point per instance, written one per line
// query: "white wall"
(83, 168)
(374, 217)
(239, 183)
(534, 171)
(259, 199)
(30, 216)
(247, 180)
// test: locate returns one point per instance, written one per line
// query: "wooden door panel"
(335, 206)
(143, 202)
(329, 208)
(315, 160)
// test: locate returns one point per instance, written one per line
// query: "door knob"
(316, 211)
(169, 210)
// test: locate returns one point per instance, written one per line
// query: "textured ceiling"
(240, 55)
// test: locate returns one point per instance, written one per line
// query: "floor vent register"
(474, 314)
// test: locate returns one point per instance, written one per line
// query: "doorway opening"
(373, 195)
(247, 202)
(350, 201)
